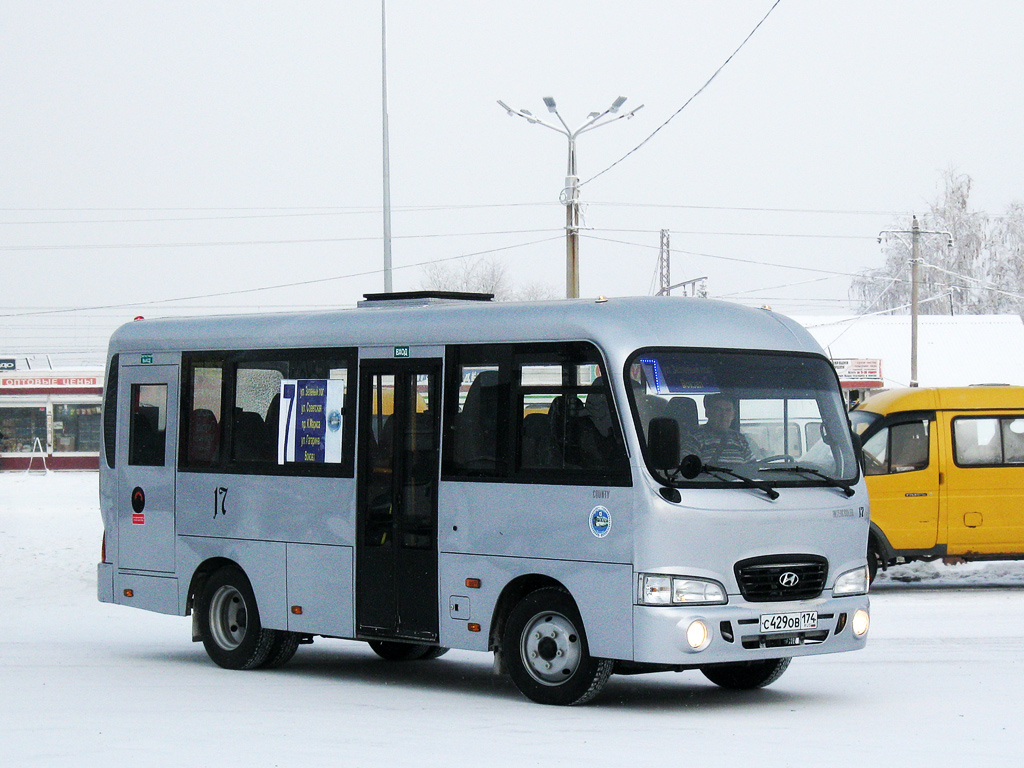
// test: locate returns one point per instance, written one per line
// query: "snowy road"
(86, 684)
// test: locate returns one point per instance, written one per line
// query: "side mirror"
(663, 443)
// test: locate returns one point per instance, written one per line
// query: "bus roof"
(944, 398)
(617, 325)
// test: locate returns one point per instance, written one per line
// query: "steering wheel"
(778, 458)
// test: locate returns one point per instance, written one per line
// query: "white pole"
(387, 160)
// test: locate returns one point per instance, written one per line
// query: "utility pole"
(915, 233)
(664, 267)
(570, 196)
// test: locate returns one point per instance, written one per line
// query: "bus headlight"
(853, 582)
(656, 589)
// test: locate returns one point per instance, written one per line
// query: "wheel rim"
(228, 617)
(551, 648)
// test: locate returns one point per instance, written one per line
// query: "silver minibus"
(576, 486)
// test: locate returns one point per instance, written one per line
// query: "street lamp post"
(570, 196)
(915, 233)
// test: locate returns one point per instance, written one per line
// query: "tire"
(746, 675)
(393, 651)
(544, 648)
(229, 621)
(282, 649)
(874, 562)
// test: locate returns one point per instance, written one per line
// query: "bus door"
(396, 552)
(146, 450)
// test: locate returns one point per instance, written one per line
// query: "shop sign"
(7, 364)
(859, 372)
(48, 382)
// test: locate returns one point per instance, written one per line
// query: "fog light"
(697, 635)
(861, 622)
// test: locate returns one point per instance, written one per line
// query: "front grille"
(781, 577)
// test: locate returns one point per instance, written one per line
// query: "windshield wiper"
(691, 466)
(845, 487)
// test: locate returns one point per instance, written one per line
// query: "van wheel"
(544, 649)
(392, 651)
(229, 621)
(745, 675)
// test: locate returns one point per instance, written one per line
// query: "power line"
(276, 287)
(737, 234)
(694, 96)
(236, 243)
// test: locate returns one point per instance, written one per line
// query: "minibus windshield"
(773, 418)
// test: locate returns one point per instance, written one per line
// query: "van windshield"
(777, 419)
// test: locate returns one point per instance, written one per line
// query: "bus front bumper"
(715, 634)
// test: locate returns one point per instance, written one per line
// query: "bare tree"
(483, 275)
(952, 279)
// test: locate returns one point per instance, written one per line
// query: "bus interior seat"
(476, 444)
(684, 411)
(146, 438)
(536, 441)
(250, 437)
(203, 437)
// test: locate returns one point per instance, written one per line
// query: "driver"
(716, 440)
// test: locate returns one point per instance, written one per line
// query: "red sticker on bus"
(139, 518)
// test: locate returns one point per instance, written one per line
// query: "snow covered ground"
(87, 684)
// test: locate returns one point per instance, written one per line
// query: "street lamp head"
(550, 104)
(616, 104)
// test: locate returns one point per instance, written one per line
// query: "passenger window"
(148, 427)
(204, 415)
(256, 411)
(897, 448)
(475, 446)
(988, 441)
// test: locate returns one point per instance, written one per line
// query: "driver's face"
(720, 415)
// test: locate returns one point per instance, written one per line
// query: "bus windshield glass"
(776, 419)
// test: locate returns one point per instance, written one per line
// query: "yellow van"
(945, 473)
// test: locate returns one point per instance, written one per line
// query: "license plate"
(789, 622)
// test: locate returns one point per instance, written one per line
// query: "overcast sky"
(156, 151)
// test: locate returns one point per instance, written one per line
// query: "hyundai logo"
(789, 579)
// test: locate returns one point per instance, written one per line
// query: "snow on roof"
(952, 350)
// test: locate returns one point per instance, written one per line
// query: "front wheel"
(544, 649)
(229, 621)
(745, 675)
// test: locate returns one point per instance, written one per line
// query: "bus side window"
(476, 425)
(897, 448)
(147, 429)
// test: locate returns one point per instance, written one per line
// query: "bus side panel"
(602, 591)
(320, 585)
(262, 561)
(560, 522)
(310, 510)
(151, 593)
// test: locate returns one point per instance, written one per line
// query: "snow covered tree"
(483, 275)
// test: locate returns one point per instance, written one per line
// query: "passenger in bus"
(718, 440)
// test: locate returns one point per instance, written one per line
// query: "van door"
(146, 451)
(396, 551)
(985, 484)
(902, 468)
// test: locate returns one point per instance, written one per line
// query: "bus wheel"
(282, 649)
(745, 675)
(229, 621)
(392, 651)
(545, 650)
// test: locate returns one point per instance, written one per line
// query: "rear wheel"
(229, 621)
(745, 675)
(282, 649)
(545, 650)
(874, 561)
(392, 651)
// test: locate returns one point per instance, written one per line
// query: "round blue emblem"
(600, 522)
(334, 421)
